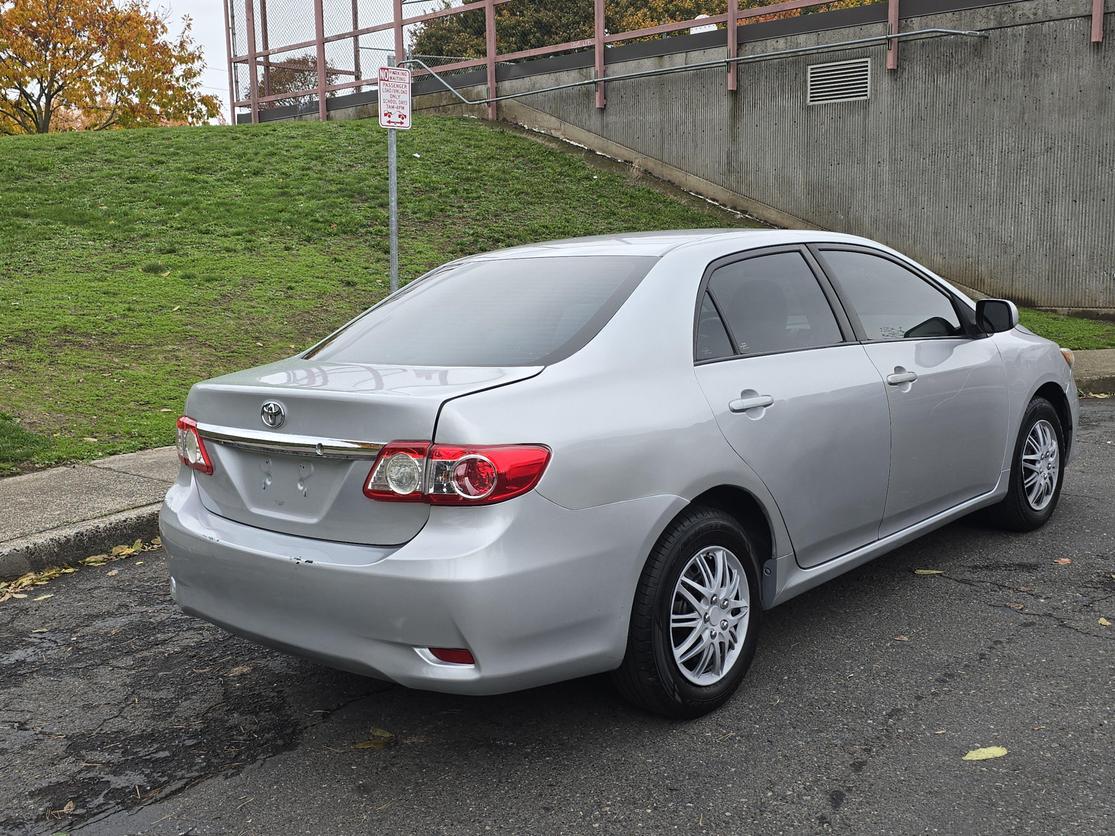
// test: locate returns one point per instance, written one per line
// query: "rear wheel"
(695, 617)
(1036, 472)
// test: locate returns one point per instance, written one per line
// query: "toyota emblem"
(273, 415)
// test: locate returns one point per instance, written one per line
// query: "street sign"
(394, 98)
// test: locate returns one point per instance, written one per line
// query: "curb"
(1098, 385)
(70, 544)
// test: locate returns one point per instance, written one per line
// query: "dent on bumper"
(538, 593)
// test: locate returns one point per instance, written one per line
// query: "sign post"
(394, 114)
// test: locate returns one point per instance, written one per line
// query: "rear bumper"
(537, 592)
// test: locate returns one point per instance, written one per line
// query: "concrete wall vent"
(840, 81)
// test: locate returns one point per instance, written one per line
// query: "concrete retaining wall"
(992, 161)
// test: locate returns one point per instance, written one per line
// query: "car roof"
(657, 244)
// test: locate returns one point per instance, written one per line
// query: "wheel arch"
(750, 512)
(1052, 392)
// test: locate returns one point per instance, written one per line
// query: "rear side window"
(892, 303)
(712, 340)
(773, 303)
(505, 312)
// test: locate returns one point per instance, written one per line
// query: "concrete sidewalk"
(63, 514)
(1095, 371)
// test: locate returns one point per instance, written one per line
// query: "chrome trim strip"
(261, 441)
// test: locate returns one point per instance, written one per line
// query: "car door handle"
(750, 402)
(900, 377)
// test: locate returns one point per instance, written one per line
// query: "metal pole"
(356, 44)
(397, 17)
(319, 34)
(253, 74)
(733, 42)
(228, 47)
(265, 36)
(490, 49)
(892, 29)
(598, 50)
(393, 207)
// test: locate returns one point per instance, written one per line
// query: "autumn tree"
(94, 64)
(527, 24)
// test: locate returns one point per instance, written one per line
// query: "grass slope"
(134, 263)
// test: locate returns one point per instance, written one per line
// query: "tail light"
(450, 474)
(191, 449)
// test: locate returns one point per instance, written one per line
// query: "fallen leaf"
(1014, 605)
(95, 560)
(986, 753)
(69, 808)
(18, 595)
(929, 571)
(377, 739)
(43, 597)
(238, 670)
(1063, 561)
(113, 573)
(39, 630)
(1103, 622)
(901, 638)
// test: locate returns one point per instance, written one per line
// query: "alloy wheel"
(1041, 465)
(709, 615)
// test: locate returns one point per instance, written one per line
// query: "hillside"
(137, 262)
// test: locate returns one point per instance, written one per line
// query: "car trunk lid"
(292, 442)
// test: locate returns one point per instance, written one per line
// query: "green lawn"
(134, 263)
(1072, 332)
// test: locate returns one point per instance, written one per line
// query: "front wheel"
(1036, 470)
(695, 617)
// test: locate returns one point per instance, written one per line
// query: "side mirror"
(996, 315)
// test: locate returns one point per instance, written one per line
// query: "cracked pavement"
(118, 714)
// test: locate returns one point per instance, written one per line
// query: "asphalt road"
(120, 715)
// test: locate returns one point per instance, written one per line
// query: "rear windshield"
(507, 312)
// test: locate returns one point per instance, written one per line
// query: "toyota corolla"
(608, 454)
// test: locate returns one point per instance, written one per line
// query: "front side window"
(892, 303)
(773, 303)
(497, 312)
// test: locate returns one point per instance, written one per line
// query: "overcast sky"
(209, 33)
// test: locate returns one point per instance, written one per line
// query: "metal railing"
(305, 51)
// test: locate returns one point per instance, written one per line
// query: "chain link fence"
(298, 53)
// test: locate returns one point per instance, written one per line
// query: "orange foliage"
(91, 65)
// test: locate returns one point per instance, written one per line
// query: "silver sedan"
(606, 455)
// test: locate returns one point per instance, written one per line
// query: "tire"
(650, 676)
(1018, 511)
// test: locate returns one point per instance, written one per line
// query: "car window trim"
(843, 324)
(963, 315)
